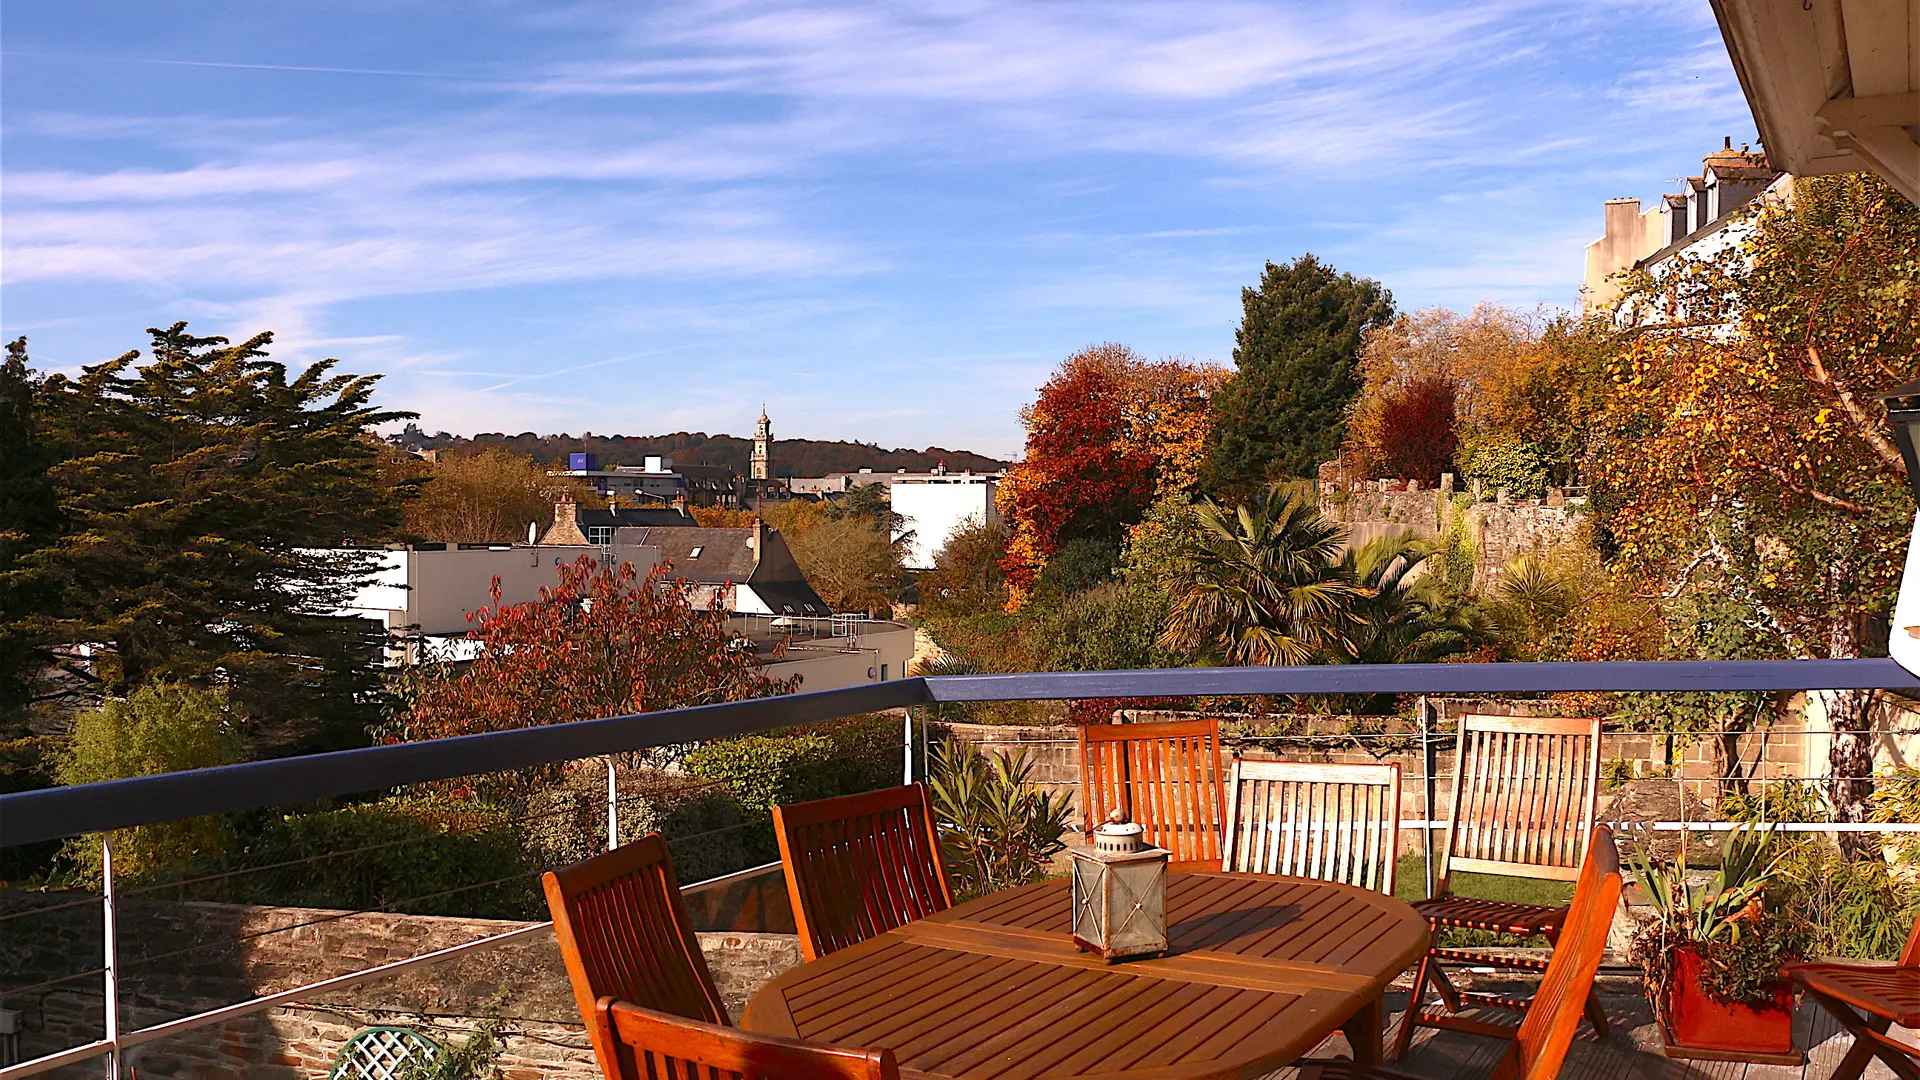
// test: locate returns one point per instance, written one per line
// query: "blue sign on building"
(582, 462)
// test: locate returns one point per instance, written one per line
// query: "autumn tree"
(601, 641)
(1080, 476)
(1299, 338)
(852, 562)
(966, 578)
(210, 505)
(487, 498)
(1744, 458)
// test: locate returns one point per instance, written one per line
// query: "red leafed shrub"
(598, 643)
(1420, 441)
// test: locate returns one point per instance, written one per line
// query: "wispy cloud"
(818, 202)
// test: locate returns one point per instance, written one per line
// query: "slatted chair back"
(1525, 793)
(624, 932)
(1166, 776)
(1334, 822)
(1546, 1034)
(860, 865)
(649, 1045)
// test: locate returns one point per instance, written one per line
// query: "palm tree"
(1401, 615)
(1261, 583)
(1532, 600)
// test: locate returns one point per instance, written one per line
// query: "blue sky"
(887, 222)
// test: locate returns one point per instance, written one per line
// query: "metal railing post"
(909, 747)
(613, 807)
(110, 946)
(1426, 781)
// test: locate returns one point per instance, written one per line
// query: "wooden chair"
(1332, 822)
(860, 865)
(1166, 776)
(649, 1045)
(1525, 792)
(1867, 1000)
(624, 933)
(1540, 1041)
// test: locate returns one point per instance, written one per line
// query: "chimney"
(566, 523)
(680, 502)
(759, 541)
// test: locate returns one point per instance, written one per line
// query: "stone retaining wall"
(243, 951)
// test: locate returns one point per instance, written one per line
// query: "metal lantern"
(1903, 415)
(1120, 893)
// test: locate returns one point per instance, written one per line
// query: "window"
(599, 534)
(883, 673)
(695, 553)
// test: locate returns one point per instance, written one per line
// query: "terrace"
(86, 988)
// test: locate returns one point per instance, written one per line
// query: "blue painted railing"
(53, 813)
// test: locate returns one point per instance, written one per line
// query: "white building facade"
(935, 505)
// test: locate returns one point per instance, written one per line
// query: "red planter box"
(1700, 1023)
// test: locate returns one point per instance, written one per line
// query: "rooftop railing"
(57, 813)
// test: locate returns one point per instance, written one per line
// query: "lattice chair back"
(1546, 1034)
(651, 1045)
(1166, 776)
(1335, 822)
(1525, 792)
(860, 865)
(624, 932)
(382, 1053)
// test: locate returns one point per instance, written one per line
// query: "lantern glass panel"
(1120, 903)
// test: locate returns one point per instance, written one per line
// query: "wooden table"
(1260, 970)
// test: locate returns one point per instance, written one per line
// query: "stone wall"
(181, 958)
(1500, 529)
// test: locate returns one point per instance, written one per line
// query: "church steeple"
(761, 469)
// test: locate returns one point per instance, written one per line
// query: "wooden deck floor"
(1631, 1052)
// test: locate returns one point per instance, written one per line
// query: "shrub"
(996, 829)
(1856, 908)
(424, 855)
(1079, 565)
(567, 822)
(475, 1057)
(161, 727)
(859, 753)
(1110, 627)
(1502, 461)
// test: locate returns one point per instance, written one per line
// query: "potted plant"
(1710, 954)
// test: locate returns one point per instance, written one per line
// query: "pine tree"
(1296, 348)
(208, 499)
(29, 519)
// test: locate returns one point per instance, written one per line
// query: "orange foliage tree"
(1109, 432)
(1745, 462)
(600, 642)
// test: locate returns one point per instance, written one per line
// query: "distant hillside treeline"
(791, 457)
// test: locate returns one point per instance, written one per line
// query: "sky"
(885, 222)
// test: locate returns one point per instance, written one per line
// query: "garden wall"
(236, 952)
(1500, 530)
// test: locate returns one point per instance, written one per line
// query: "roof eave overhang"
(1820, 107)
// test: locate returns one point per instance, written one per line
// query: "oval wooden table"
(1260, 969)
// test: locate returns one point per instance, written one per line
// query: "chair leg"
(1597, 1015)
(1864, 1049)
(1404, 1037)
(1448, 994)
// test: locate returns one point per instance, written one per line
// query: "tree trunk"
(1850, 756)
